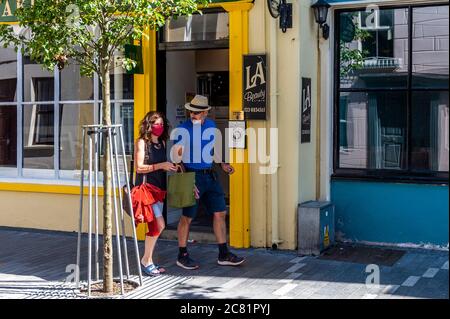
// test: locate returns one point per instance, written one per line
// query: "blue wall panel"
(391, 213)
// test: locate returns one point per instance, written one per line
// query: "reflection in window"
(430, 131)
(374, 48)
(38, 82)
(8, 74)
(372, 130)
(121, 83)
(123, 114)
(75, 87)
(42, 114)
(38, 136)
(72, 118)
(206, 27)
(379, 42)
(8, 136)
(38, 119)
(430, 57)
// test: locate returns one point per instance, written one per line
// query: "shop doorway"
(185, 73)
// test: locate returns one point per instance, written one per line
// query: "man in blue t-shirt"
(195, 145)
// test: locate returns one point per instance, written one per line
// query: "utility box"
(315, 227)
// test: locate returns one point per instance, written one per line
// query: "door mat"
(363, 255)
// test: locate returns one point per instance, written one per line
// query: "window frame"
(407, 175)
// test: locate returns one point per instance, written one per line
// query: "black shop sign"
(255, 87)
(305, 127)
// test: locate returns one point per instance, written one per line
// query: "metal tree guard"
(95, 133)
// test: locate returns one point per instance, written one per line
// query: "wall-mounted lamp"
(320, 14)
(279, 8)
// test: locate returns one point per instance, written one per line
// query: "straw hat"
(198, 104)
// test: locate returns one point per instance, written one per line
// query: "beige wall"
(295, 57)
(47, 211)
(260, 201)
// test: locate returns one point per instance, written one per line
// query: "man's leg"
(183, 230)
(215, 204)
(220, 227)
(226, 258)
(183, 259)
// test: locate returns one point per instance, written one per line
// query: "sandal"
(150, 270)
(160, 269)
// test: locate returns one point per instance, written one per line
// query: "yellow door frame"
(145, 101)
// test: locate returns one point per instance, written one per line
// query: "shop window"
(34, 101)
(388, 126)
(210, 29)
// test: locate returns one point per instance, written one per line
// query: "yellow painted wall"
(239, 181)
(48, 211)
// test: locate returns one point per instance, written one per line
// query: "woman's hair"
(146, 123)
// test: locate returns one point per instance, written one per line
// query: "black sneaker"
(186, 262)
(230, 259)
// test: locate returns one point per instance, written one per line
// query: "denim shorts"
(211, 194)
(158, 209)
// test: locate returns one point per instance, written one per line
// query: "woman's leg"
(150, 243)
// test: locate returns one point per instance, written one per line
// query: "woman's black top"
(155, 153)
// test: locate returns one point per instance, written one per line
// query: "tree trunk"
(107, 188)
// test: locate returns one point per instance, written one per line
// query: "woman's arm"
(139, 157)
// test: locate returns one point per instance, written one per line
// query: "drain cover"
(363, 255)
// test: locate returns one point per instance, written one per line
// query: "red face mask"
(157, 129)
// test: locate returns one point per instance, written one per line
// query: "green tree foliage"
(353, 58)
(88, 31)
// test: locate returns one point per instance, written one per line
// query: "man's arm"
(227, 168)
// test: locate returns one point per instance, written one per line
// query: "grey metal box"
(315, 227)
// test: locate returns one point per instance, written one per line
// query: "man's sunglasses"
(195, 112)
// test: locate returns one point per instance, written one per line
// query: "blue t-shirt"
(198, 142)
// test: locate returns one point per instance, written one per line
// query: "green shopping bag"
(180, 191)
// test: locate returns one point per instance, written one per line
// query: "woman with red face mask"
(151, 162)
